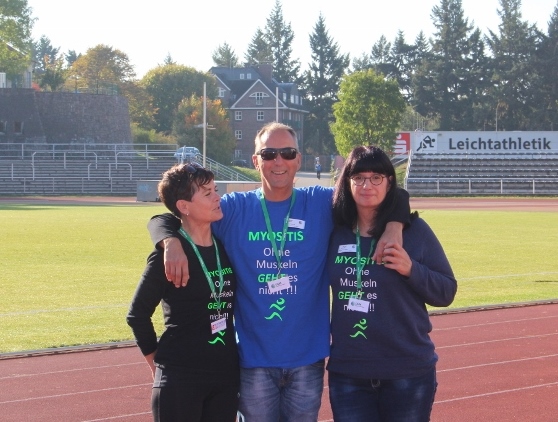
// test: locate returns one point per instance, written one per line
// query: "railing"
(87, 184)
(503, 183)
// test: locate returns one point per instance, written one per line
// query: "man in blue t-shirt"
(277, 239)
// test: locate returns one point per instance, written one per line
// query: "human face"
(369, 195)
(205, 206)
(277, 174)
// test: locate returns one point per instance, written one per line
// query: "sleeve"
(431, 275)
(163, 226)
(402, 210)
(147, 297)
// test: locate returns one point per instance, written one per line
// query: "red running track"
(495, 365)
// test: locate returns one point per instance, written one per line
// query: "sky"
(191, 30)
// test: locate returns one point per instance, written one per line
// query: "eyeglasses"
(268, 154)
(375, 179)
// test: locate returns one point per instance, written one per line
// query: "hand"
(396, 258)
(149, 359)
(393, 234)
(176, 263)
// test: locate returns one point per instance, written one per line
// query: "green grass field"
(68, 272)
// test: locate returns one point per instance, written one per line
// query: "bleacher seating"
(482, 174)
(91, 173)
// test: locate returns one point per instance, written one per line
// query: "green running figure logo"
(361, 326)
(279, 306)
(217, 338)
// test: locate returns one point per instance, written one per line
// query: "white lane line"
(75, 393)
(71, 370)
(513, 390)
(110, 418)
(509, 321)
(503, 362)
(496, 341)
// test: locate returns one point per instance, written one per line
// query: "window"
(221, 93)
(3, 126)
(248, 76)
(260, 116)
(242, 76)
(18, 128)
(259, 98)
(238, 115)
(238, 134)
(237, 153)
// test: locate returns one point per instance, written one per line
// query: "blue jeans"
(371, 400)
(281, 394)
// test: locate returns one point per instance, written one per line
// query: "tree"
(169, 84)
(16, 44)
(224, 56)
(258, 51)
(220, 141)
(513, 98)
(322, 84)
(368, 112)
(140, 105)
(54, 74)
(447, 84)
(101, 69)
(547, 69)
(279, 37)
(44, 54)
(71, 56)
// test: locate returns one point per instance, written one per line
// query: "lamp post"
(204, 125)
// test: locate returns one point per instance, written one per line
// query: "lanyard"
(362, 262)
(209, 280)
(278, 253)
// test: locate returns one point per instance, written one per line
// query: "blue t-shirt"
(288, 328)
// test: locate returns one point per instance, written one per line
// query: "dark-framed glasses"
(375, 179)
(268, 154)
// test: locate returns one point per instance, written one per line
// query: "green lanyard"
(361, 262)
(278, 253)
(209, 280)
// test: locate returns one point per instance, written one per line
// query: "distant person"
(277, 239)
(318, 170)
(382, 365)
(195, 363)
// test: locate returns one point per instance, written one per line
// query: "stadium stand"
(85, 169)
(482, 174)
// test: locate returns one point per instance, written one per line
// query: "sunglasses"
(193, 167)
(268, 154)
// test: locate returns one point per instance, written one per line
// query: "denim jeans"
(371, 400)
(281, 394)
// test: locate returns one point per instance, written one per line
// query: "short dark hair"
(182, 181)
(364, 159)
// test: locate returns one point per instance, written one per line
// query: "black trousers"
(180, 396)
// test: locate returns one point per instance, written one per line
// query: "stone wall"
(63, 117)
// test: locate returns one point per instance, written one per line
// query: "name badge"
(218, 325)
(296, 224)
(347, 248)
(279, 284)
(358, 305)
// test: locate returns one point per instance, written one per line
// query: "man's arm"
(393, 234)
(163, 231)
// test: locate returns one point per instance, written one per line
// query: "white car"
(186, 154)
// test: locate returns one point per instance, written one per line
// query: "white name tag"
(279, 284)
(219, 325)
(296, 224)
(347, 248)
(358, 305)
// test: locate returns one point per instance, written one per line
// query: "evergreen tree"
(258, 51)
(322, 84)
(513, 74)
(279, 37)
(224, 56)
(444, 84)
(44, 53)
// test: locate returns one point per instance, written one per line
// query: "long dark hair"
(364, 159)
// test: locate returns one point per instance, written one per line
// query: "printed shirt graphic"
(289, 328)
(391, 340)
(187, 341)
